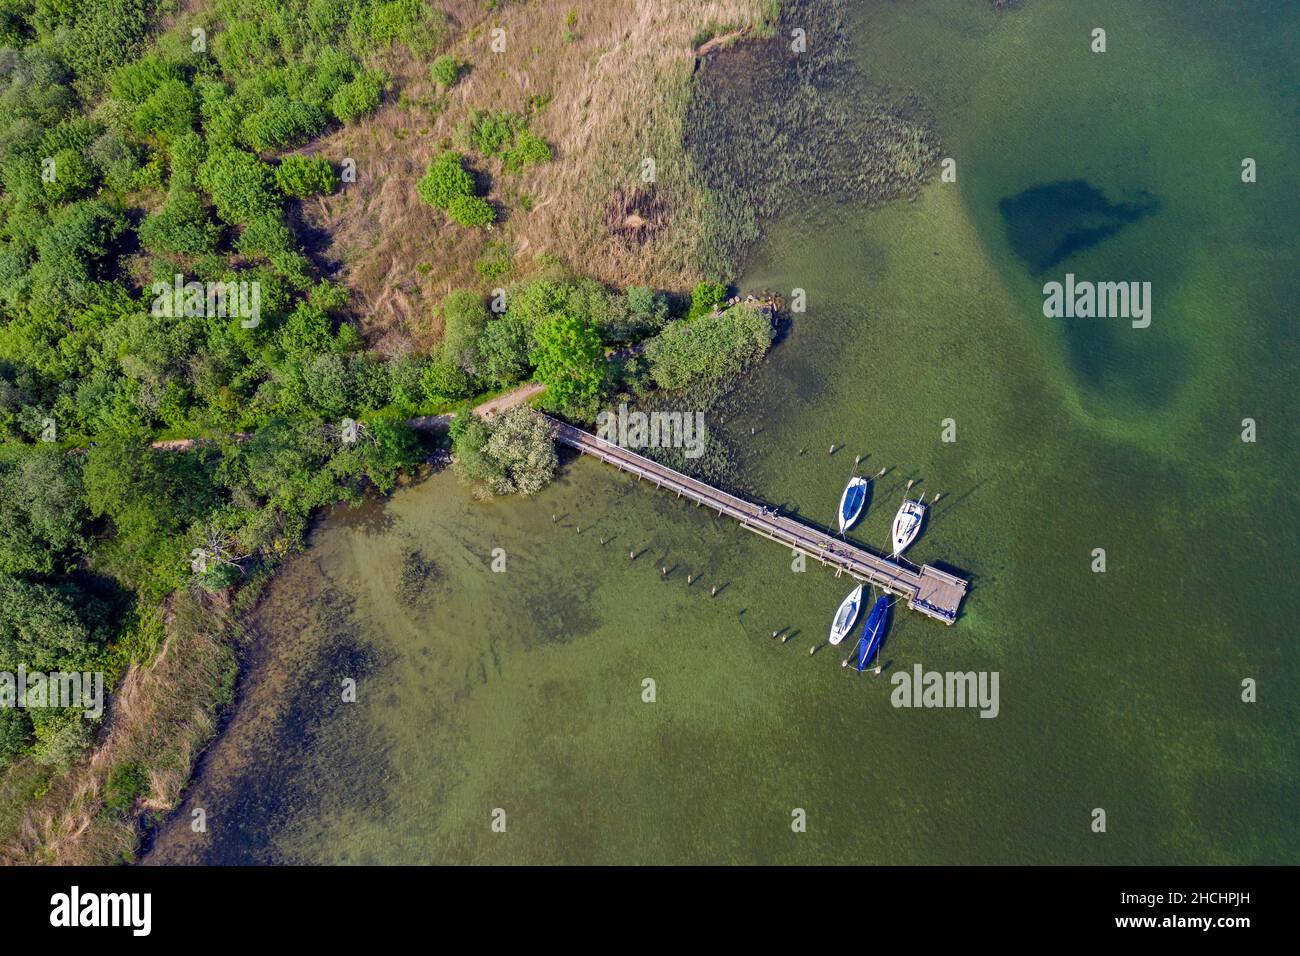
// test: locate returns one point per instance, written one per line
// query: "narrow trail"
(489, 409)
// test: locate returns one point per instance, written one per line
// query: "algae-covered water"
(519, 695)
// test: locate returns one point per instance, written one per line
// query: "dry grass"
(161, 716)
(617, 96)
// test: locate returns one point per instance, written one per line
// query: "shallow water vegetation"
(868, 147)
(420, 574)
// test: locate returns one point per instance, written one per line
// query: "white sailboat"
(907, 523)
(846, 615)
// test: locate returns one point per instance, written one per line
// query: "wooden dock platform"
(932, 592)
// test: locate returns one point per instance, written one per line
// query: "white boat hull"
(847, 615)
(907, 525)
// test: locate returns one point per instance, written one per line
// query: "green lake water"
(1119, 690)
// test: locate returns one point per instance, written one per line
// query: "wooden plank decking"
(932, 592)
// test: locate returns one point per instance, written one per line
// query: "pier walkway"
(934, 593)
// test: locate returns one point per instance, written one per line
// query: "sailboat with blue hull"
(873, 631)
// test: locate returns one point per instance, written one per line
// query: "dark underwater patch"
(1049, 223)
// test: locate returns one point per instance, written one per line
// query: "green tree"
(570, 362)
(464, 316)
(151, 497)
(502, 351)
(15, 732)
(445, 381)
(704, 297)
(513, 455)
(524, 450)
(43, 626)
(387, 447)
(41, 522)
(469, 438)
(329, 385)
(241, 186)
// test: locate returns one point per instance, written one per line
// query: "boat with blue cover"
(852, 502)
(873, 631)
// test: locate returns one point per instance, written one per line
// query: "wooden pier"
(932, 592)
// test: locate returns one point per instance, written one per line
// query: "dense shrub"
(464, 316)
(135, 82)
(187, 153)
(241, 185)
(444, 180)
(708, 347)
(265, 237)
(71, 175)
(489, 131)
(357, 97)
(528, 150)
(72, 253)
(472, 211)
(305, 176)
(126, 782)
(504, 134)
(445, 71)
(412, 22)
(444, 381)
(283, 122)
(181, 227)
(106, 34)
(169, 111)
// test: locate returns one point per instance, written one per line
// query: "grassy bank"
(162, 714)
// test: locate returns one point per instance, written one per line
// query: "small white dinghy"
(846, 615)
(851, 502)
(907, 524)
